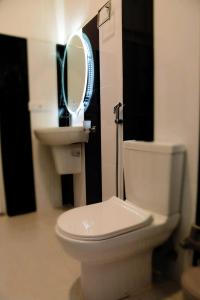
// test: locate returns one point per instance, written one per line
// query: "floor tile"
(33, 265)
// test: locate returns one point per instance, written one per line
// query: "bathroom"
(176, 58)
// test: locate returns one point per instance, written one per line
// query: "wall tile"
(44, 113)
(177, 77)
(111, 93)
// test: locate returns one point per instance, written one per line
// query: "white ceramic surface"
(65, 145)
(26, 275)
(95, 222)
(129, 243)
(153, 175)
(111, 239)
(176, 99)
(121, 264)
(59, 136)
(155, 147)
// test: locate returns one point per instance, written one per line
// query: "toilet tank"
(153, 175)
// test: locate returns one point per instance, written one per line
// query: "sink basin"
(66, 144)
(60, 136)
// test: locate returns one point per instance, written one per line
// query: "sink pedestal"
(67, 158)
(70, 159)
(80, 182)
(68, 150)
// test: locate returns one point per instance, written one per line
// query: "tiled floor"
(33, 265)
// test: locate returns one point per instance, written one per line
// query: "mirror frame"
(89, 78)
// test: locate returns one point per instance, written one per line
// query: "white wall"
(177, 75)
(47, 20)
(29, 18)
(111, 94)
(44, 113)
(177, 78)
(77, 13)
(42, 23)
(177, 68)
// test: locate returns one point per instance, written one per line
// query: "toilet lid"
(102, 220)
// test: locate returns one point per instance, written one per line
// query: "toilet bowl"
(112, 250)
(114, 239)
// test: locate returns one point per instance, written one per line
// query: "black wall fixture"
(62, 109)
(196, 260)
(93, 147)
(15, 126)
(138, 69)
(66, 180)
(93, 113)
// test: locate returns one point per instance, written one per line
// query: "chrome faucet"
(87, 126)
(116, 111)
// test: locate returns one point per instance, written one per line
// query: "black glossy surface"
(66, 180)
(93, 113)
(93, 147)
(196, 260)
(15, 126)
(138, 69)
(67, 189)
(63, 113)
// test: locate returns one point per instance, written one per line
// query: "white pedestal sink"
(66, 146)
(57, 136)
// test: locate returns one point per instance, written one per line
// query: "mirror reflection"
(78, 73)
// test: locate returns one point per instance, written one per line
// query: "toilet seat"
(102, 220)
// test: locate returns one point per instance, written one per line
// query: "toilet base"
(116, 280)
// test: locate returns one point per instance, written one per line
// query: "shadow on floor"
(165, 291)
(75, 290)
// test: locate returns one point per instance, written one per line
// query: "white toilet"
(114, 239)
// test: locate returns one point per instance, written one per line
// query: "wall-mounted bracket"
(104, 14)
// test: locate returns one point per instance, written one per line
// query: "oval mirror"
(78, 73)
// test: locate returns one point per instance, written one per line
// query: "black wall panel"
(15, 126)
(66, 180)
(138, 69)
(197, 254)
(93, 147)
(93, 113)
(63, 112)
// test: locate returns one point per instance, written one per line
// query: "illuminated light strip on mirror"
(80, 35)
(90, 81)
